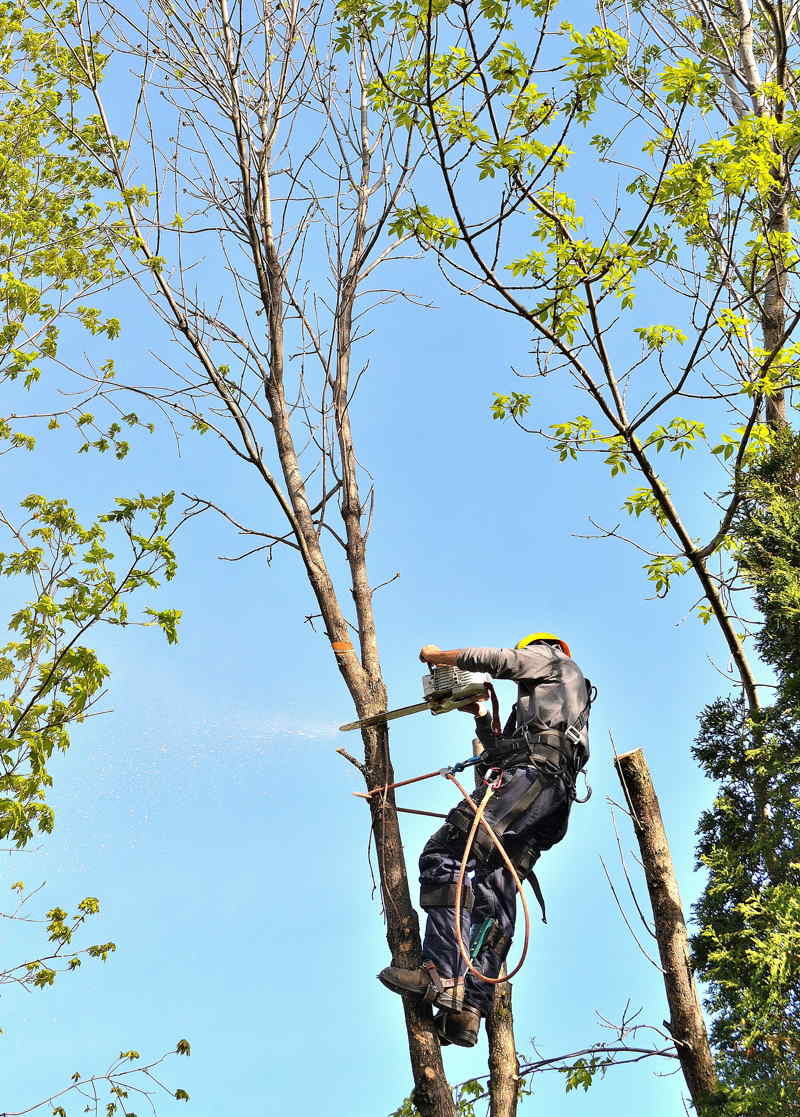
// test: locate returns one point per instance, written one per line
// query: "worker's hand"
(428, 650)
(478, 709)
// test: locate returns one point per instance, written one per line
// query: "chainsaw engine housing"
(447, 688)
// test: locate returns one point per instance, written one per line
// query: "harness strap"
(546, 750)
(533, 881)
(444, 896)
(435, 986)
(572, 732)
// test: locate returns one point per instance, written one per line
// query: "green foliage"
(465, 1096)
(55, 240)
(582, 1072)
(592, 59)
(59, 235)
(770, 532)
(657, 337)
(662, 569)
(643, 499)
(701, 212)
(705, 204)
(688, 81)
(59, 240)
(513, 406)
(426, 226)
(748, 945)
(576, 435)
(50, 678)
(679, 434)
(61, 955)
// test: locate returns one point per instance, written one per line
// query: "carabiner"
(461, 766)
(492, 780)
(588, 794)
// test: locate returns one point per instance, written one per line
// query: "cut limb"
(686, 1023)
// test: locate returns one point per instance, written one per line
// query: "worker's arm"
(434, 655)
(503, 663)
(500, 663)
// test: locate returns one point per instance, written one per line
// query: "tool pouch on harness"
(487, 936)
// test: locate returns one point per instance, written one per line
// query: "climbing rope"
(479, 820)
(491, 787)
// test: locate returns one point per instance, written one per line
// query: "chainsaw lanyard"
(497, 729)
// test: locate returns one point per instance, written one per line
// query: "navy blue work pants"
(540, 824)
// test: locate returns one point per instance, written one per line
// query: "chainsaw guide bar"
(445, 689)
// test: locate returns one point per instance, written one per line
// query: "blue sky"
(211, 815)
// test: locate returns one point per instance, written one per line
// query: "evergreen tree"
(748, 946)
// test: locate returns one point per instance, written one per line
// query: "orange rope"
(476, 822)
(479, 820)
(402, 783)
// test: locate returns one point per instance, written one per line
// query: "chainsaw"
(443, 689)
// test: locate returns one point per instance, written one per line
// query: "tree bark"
(686, 1024)
(776, 219)
(234, 72)
(432, 1095)
(503, 1061)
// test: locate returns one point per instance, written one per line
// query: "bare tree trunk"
(503, 1061)
(253, 78)
(432, 1095)
(772, 304)
(686, 1023)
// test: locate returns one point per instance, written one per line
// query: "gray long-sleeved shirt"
(551, 688)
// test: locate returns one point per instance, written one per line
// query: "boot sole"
(457, 1038)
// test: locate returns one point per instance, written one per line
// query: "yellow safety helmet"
(534, 636)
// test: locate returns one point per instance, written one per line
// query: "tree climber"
(543, 747)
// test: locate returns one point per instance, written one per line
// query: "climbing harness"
(443, 689)
(556, 751)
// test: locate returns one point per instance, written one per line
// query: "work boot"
(460, 1028)
(424, 984)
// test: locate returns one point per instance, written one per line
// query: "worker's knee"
(444, 842)
(461, 819)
